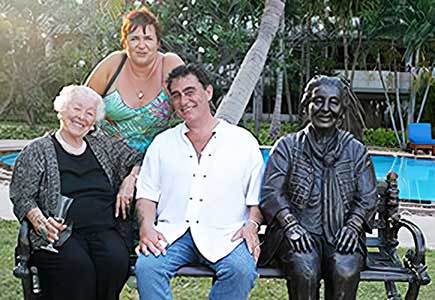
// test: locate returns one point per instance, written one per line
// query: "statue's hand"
(347, 240)
(299, 239)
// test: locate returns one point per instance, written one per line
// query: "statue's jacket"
(321, 186)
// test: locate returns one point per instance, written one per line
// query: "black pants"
(341, 272)
(91, 266)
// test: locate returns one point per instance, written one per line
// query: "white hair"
(70, 92)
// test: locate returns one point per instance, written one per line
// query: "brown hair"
(138, 17)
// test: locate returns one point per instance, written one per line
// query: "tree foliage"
(49, 43)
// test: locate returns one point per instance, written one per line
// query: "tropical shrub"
(19, 131)
(263, 133)
(381, 137)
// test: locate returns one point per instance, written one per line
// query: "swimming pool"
(416, 176)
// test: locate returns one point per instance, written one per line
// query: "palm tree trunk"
(287, 92)
(235, 101)
(355, 57)
(399, 106)
(258, 103)
(411, 107)
(276, 121)
(387, 98)
(426, 93)
(346, 53)
(308, 52)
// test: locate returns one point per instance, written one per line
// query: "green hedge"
(380, 137)
(375, 137)
(263, 132)
(20, 131)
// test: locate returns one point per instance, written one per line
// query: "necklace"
(139, 93)
(68, 147)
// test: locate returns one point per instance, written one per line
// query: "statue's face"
(325, 107)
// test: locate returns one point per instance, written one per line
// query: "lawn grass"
(188, 288)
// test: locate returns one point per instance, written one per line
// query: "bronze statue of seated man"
(318, 198)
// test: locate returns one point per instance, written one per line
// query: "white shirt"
(209, 196)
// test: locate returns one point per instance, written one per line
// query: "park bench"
(383, 262)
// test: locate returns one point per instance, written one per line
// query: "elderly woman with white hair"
(93, 244)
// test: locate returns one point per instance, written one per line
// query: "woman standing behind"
(132, 82)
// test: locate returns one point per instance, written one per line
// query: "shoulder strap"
(163, 70)
(115, 75)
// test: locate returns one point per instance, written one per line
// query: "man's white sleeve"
(148, 182)
(255, 176)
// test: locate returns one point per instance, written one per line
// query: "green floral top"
(137, 127)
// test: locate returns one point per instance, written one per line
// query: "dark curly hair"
(189, 69)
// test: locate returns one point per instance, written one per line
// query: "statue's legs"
(392, 292)
(303, 274)
(413, 291)
(342, 276)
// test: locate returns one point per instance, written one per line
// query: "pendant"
(140, 95)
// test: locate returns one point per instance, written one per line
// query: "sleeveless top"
(137, 127)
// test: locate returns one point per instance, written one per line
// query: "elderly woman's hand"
(48, 229)
(125, 194)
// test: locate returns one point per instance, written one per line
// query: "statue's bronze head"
(324, 101)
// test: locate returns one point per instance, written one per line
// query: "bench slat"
(394, 274)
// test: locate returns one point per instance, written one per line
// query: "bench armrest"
(22, 252)
(414, 260)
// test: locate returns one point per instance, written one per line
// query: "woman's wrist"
(39, 222)
(134, 172)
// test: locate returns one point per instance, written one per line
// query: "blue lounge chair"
(420, 136)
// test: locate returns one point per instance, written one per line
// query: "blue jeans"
(235, 273)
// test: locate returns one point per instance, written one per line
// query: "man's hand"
(125, 195)
(249, 232)
(347, 240)
(299, 239)
(151, 241)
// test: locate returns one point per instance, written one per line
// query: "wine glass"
(60, 214)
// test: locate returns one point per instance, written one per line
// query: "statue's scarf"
(327, 154)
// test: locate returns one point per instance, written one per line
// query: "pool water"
(416, 176)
